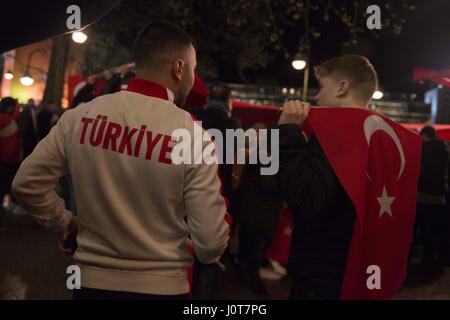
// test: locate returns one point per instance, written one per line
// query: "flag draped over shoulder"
(378, 163)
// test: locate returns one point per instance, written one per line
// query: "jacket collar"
(150, 88)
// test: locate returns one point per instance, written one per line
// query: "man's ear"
(178, 68)
(343, 89)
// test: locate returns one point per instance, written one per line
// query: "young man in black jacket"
(431, 200)
(323, 214)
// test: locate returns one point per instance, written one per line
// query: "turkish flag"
(442, 76)
(378, 163)
(250, 114)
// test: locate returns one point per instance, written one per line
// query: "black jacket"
(215, 116)
(323, 214)
(258, 202)
(434, 166)
(85, 94)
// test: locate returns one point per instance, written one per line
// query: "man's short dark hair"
(429, 131)
(157, 38)
(220, 92)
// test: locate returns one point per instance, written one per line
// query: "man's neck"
(355, 106)
(351, 103)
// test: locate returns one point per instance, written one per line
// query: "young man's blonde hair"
(356, 69)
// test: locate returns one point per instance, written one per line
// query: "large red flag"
(378, 163)
(442, 76)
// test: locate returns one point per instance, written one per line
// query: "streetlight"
(26, 79)
(79, 37)
(377, 95)
(8, 75)
(300, 62)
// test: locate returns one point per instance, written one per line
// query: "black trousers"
(431, 222)
(316, 288)
(251, 254)
(98, 294)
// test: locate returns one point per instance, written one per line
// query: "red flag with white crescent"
(378, 163)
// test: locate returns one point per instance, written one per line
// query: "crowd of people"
(22, 127)
(432, 228)
(134, 215)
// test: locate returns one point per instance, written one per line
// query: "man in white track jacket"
(132, 200)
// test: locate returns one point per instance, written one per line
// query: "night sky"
(424, 42)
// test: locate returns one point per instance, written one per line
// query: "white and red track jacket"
(131, 199)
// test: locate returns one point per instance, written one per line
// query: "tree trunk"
(57, 69)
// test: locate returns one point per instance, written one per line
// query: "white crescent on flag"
(374, 123)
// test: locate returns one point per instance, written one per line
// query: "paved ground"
(31, 267)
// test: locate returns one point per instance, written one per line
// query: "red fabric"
(198, 96)
(75, 83)
(281, 243)
(442, 77)
(249, 114)
(10, 146)
(148, 88)
(442, 130)
(17, 111)
(360, 144)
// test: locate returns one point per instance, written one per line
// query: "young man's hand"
(67, 238)
(294, 112)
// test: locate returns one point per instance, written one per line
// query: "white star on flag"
(385, 203)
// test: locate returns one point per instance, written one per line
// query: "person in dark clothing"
(44, 120)
(86, 93)
(258, 208)
(47, 118)
(431, 200)
(323, 214)
(125, 76)
(446, 241)
(323, 217)
(10, 152)
(112, 82)
(216, 115)
(27, 122)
